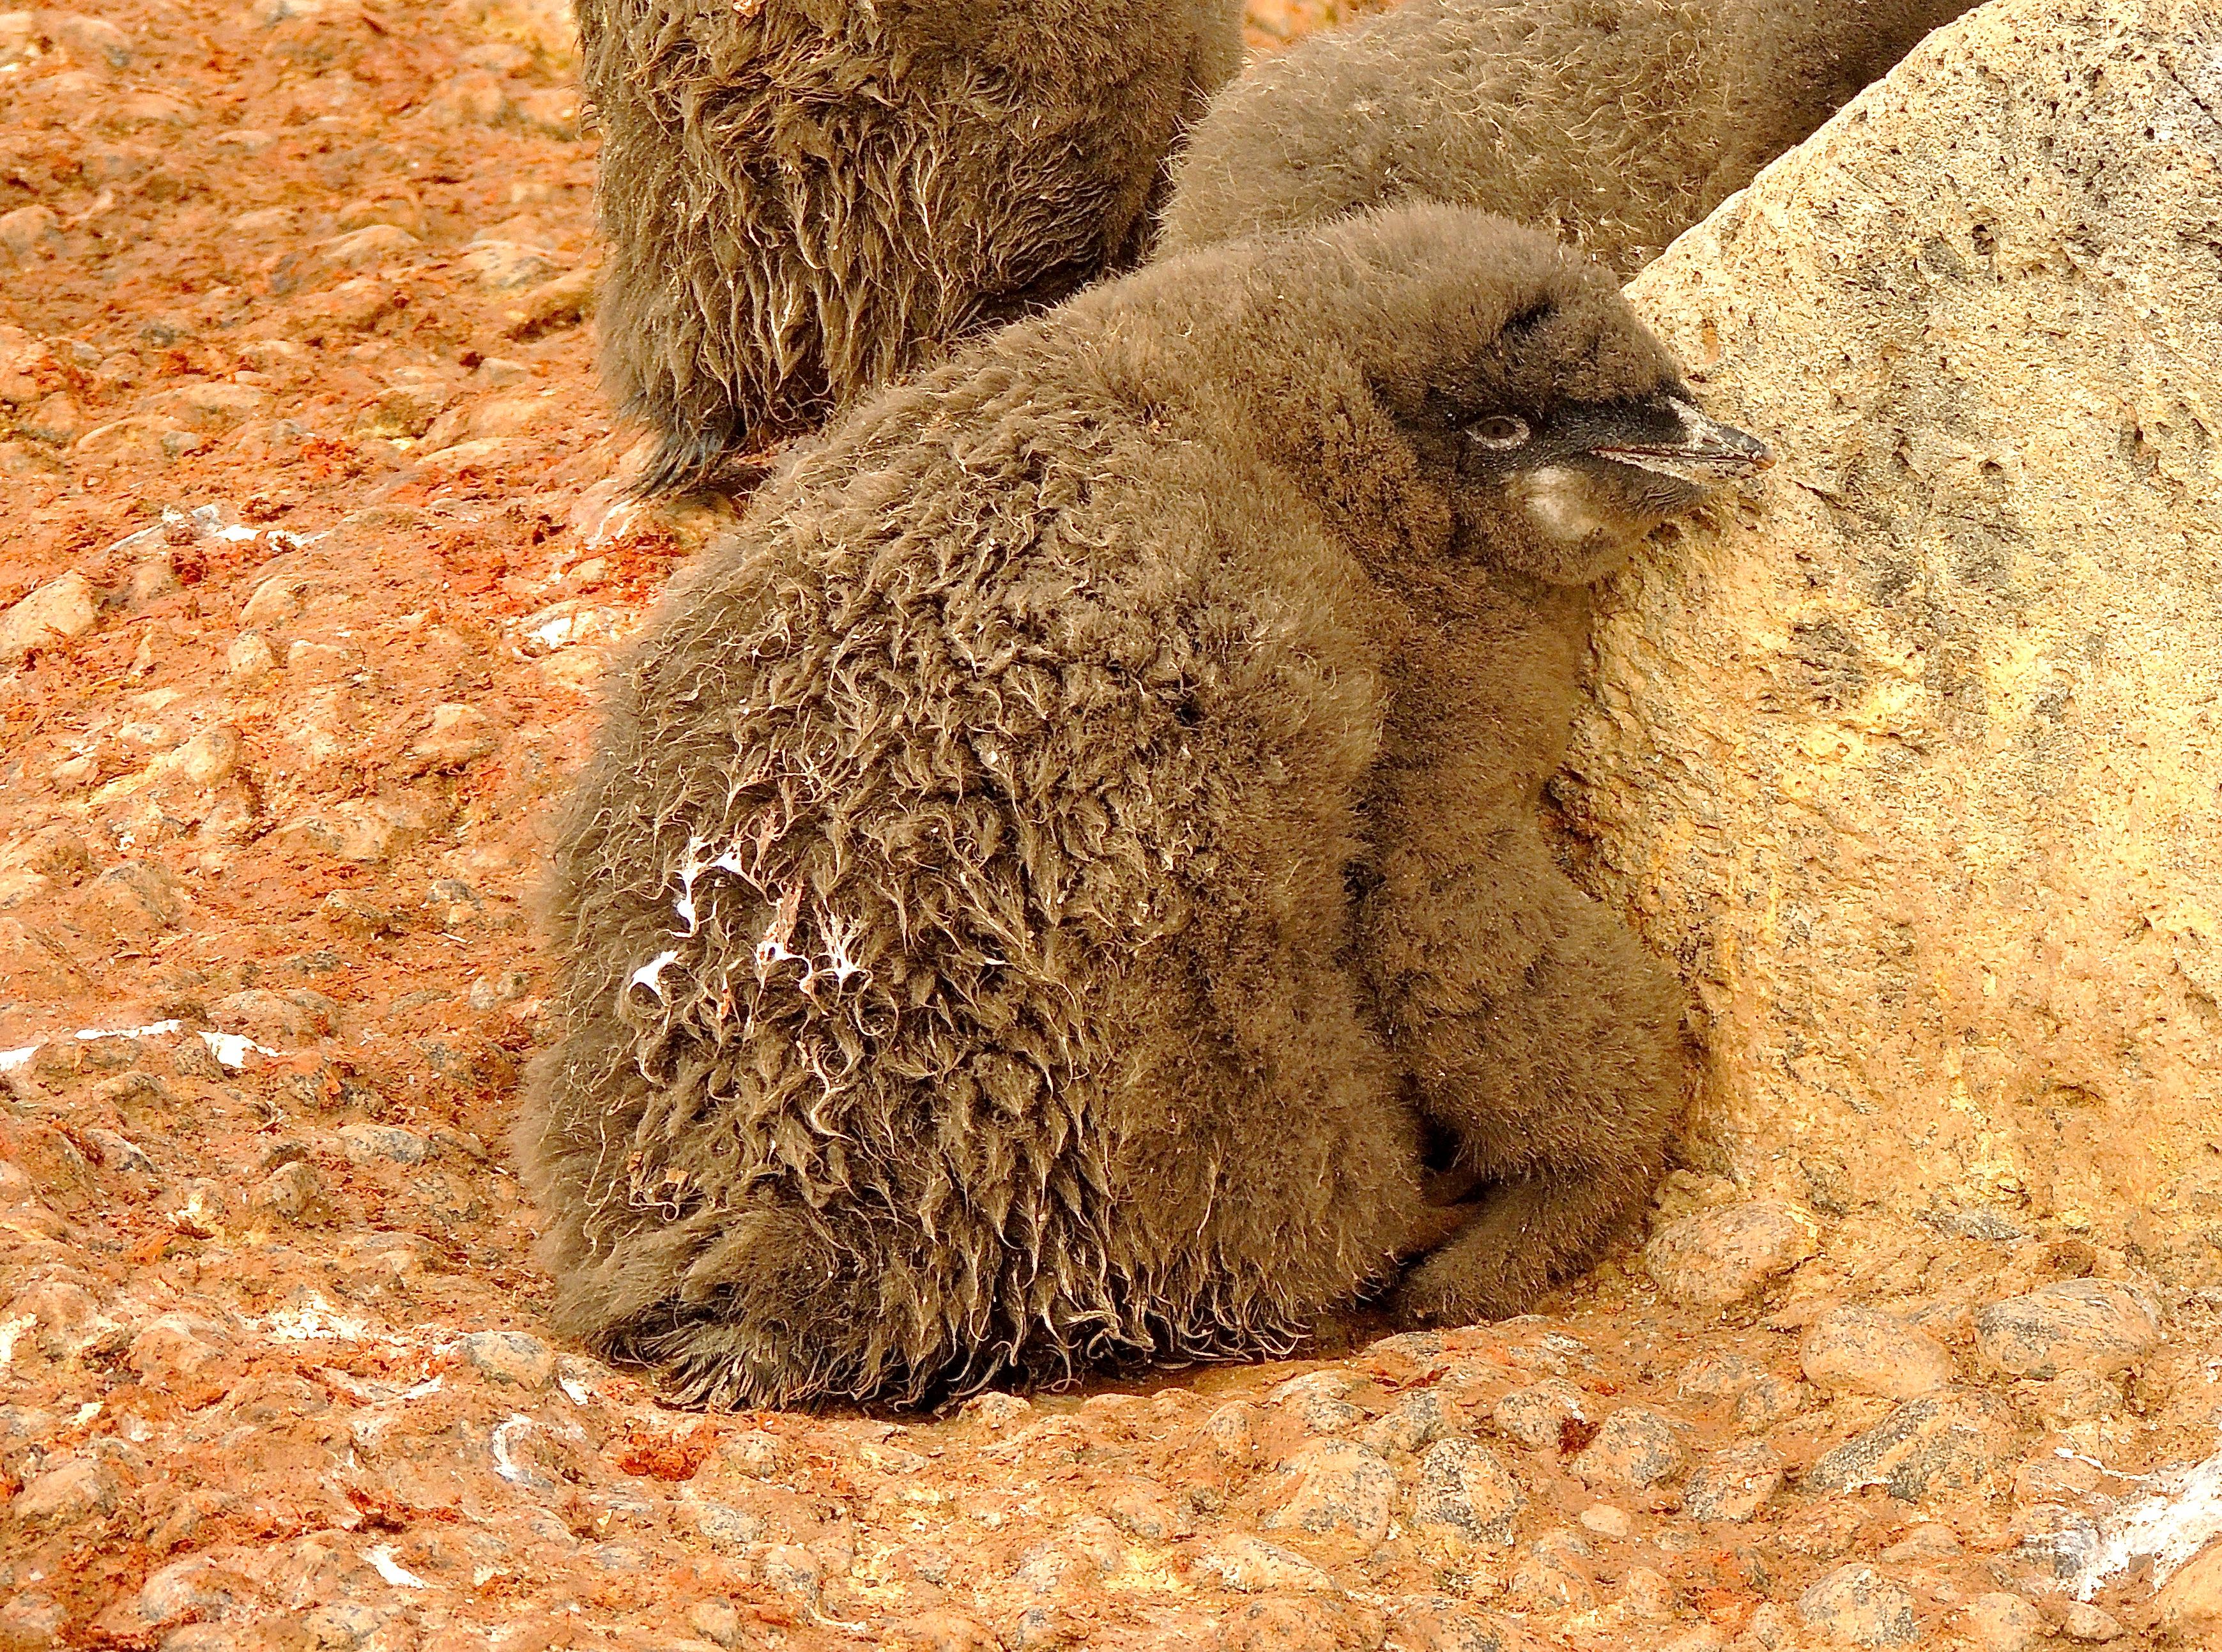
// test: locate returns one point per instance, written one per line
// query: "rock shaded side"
(1909, 758)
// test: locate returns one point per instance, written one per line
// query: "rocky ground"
(312, 557)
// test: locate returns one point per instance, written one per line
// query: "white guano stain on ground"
(152, 1030)
(232, 1049)
(10, 1060)
(504, 1464)
(10, 1330)
(399, 1576)
(314, 1320)
(2170, 1524)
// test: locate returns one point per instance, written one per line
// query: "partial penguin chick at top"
(1029, 866)
(804, 198)
(1612, 124)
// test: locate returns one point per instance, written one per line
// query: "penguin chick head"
(1526, 391)
(1565, 491)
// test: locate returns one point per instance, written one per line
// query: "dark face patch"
(1565, 489)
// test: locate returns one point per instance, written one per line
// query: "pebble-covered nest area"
(313, 553)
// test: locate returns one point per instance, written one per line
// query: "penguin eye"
(1499, 431)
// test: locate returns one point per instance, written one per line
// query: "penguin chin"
(1559, 502)
(1577, 531)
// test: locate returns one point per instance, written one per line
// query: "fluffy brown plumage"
(1030, 870)
(1612, 124)
(803, 198)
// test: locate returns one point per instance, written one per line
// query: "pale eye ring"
(1499, 430)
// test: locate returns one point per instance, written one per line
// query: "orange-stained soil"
(311, 486)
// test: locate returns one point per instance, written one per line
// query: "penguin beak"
(1691, 447)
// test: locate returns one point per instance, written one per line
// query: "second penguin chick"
(804, 198)
(1007, 922)
(1612, 124)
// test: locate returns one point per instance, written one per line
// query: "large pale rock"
(1909, 757)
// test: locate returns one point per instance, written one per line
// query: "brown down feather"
(994, 935)
(1612, 124)
(803, 199)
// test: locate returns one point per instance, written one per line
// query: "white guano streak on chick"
(692, 868)
(651, 974)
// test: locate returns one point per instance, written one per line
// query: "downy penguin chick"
(804, 198)
(1612, 124)
(1005, 920)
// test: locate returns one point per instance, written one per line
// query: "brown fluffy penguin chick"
(979, 921)
(1613, 124)
(804, 198)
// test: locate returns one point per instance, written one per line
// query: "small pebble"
(2004, 1622)
(1930, 1540)
(1339, 1488)
(1549, 1575)
(2098, 1326)
(1861, 1351)
(370, 1144)
(1607, 1521)
(1636, 1448)
(509, 1356)
(2084, 1621)
(1537, 1415)
(1718, 1257)
(1415, 1420)
(1251, 1566)
(1465, 1487)
(1649, 1594)
(1734, 1485)
(294, 1190)
(1944, 1443)
(1316, 1399)
(1858, 1605)
(2190, 1603)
